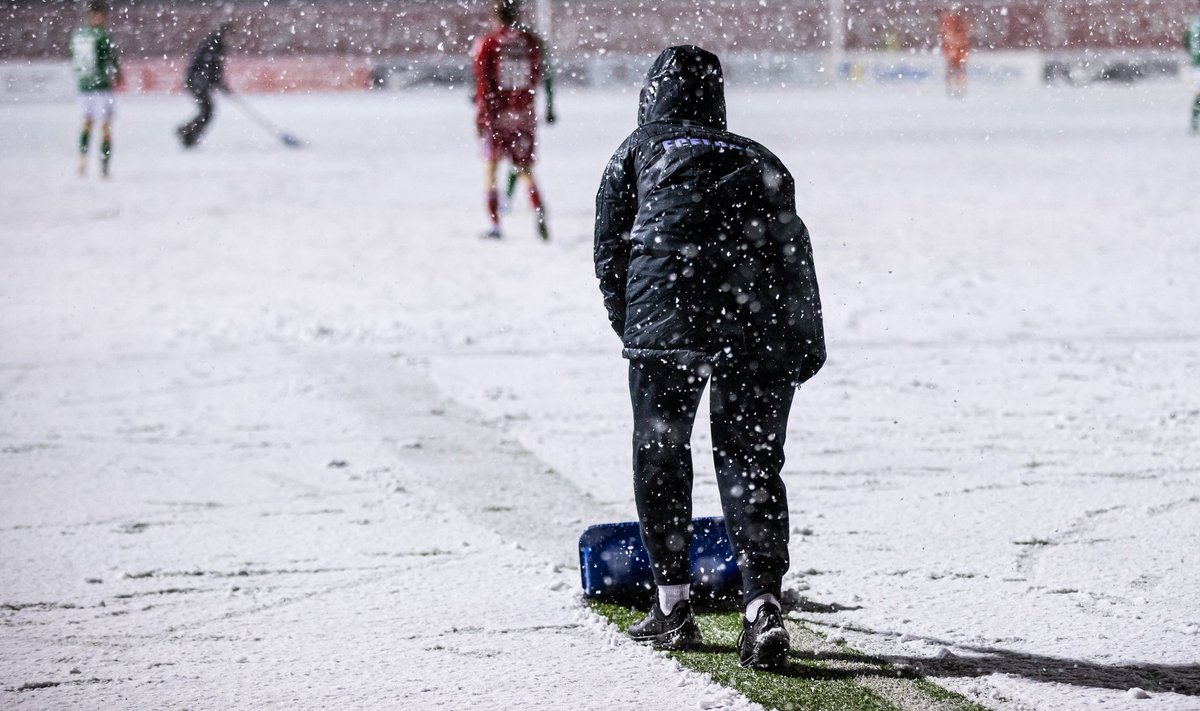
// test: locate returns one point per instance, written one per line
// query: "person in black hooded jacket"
(707, 275)
(205, 73)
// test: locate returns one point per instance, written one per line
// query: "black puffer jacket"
(207, 69)
(699, 249)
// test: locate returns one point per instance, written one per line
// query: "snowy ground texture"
(277, 429)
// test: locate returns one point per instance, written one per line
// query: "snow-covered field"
(277, 429)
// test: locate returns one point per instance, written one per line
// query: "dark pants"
(749, 407)
(191, 131)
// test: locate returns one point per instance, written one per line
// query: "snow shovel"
(615, 568)
(286, 138)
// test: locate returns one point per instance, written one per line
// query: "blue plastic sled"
(614, 565)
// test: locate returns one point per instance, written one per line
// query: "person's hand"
(550, 117)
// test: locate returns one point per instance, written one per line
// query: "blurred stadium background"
(324, 45)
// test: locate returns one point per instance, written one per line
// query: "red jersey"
(508, 69)
(956, 36)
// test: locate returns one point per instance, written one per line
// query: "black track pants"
(749, 409)
(192, 130)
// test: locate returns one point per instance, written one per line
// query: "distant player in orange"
(955, 32)
(508, 68)
(1191, 41)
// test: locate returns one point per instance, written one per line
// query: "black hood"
(684, 84)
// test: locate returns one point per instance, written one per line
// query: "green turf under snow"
(810, 682)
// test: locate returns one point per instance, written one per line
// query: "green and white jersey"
(1191, 40)
(94, 58)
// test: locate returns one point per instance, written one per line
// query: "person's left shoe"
(677, 630)
(543, 229)
(186, 136)
(764, 643)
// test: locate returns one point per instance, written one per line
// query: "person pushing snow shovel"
(707, 276)
(205, 73)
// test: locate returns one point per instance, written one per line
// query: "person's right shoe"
(764, 643)
(677, 630)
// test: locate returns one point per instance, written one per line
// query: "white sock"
(671, 595)
(757, 603)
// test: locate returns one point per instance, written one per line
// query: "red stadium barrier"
(332, 45)
(255, 75)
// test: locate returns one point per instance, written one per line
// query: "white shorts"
(97, 105)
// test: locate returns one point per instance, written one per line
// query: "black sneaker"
(677, 630)
(186, 136)
(764, 643)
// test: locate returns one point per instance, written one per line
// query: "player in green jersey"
(1191, 40)
(97, 71)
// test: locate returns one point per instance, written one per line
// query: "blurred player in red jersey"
(508, 67)
(955, 32)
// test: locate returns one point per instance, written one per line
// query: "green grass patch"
(820, 676)
(940, 693)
